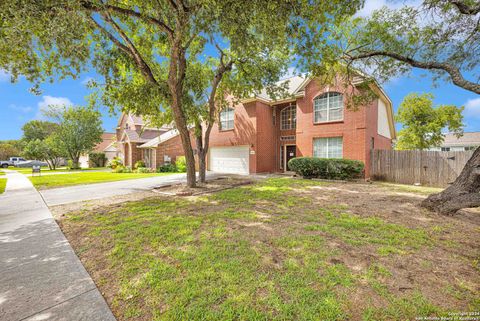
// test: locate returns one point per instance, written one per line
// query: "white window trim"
(283, 113)
(328, 145)
(227, 110)
(328, 108)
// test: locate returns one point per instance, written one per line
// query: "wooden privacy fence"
(415, 166)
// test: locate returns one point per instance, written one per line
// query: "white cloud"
(48, 102)
(4, 76)
(472, 108)
(21, 109)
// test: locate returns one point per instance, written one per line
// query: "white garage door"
(229, 159)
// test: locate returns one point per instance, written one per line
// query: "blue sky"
(18, 105)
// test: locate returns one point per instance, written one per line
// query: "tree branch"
(112, 38)
(454, 72)
(135, 54)
(128, 12)
(466, 9)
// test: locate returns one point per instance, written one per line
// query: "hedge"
(327, 168)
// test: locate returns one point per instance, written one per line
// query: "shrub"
(328, 168)
(181, 164)
(115, 162)
(144, 170)
(96, 159)
(167, 168)
(70, 164)
(139, 163)
(122, 169)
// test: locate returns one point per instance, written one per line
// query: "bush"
(139, 163)
(115, 162)
(144, 170)
(167, 168)
(122, 169)
(96, 159)
(70, 164)
(327, 168)
(181, 164)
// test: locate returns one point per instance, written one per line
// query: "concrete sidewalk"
(78, 193)
(41, 278)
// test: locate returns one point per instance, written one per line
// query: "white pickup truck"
(11, 162)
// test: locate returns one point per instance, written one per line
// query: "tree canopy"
(38, 129)
(165, 59)
(423, 124)
(79, 130)
(41, 143)
(441, 36)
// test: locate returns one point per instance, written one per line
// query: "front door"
(291, 153)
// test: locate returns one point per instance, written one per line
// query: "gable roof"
(139, 121)
(160, 139)
(107, 140)
(295, 87)
(293, 84)
(468, 139)
(134, 137)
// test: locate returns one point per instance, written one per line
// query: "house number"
(291, 154)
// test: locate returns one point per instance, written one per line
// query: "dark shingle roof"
(143, 136)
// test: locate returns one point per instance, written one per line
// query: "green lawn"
(281, 249)
(3, 184)
(47, 170)
(51, 181)
(2, 173)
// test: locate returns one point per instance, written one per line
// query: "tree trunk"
(201, 152)
(75, 162)
(463, 193)
(176, 76)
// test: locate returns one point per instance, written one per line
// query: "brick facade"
(258, 125)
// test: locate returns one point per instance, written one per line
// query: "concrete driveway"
(78, 193)
(41, 278)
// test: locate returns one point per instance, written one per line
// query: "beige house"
(469, 141)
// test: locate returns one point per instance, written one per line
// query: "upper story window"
(288, 117)
(226, 118)
(328, 107)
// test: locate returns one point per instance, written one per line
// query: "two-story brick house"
(261, 135)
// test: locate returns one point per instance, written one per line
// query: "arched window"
(288, 117)
(328, 107)
(227, 118)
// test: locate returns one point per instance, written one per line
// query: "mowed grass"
(86, 177)
(46, 170)
(3, 184)
(259, 252)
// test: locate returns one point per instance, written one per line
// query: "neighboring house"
(469, 141)
(132, 131)
(261, 135)
(106, 146)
